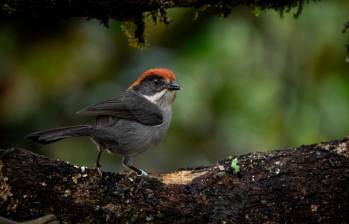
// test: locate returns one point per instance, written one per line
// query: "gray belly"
(128, 137)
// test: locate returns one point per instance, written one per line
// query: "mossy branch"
(308, 184)
(131, 10)
(123, 9)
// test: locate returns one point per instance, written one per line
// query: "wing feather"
(128, 105)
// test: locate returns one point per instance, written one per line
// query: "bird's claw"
(99, 170)
(142, 173)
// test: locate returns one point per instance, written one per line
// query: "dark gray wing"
(128, 105)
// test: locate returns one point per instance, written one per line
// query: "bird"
(128, 124)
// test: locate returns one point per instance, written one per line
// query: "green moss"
(134, 27)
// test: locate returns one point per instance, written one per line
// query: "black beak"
(173, 85)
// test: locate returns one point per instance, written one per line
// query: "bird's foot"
(99, 170)
(142, 173)
(129, 179)
(143, 176)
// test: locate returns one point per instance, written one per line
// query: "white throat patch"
(157, 96)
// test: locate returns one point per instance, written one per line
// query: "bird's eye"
(156, 82)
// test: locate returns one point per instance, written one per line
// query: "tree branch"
(121, 9)
(308, 184)
(132, 12)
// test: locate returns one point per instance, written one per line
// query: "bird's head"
(157, 85)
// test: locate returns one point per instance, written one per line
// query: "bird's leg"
(98, 165)
(100, 150)
(127, 162)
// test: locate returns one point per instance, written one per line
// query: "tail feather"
(56, 134)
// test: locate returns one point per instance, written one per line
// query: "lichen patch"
(340, 149)
(181, 177)
(5, 188)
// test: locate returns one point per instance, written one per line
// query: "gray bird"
(128, 124)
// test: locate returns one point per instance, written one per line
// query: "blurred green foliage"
(249, 83)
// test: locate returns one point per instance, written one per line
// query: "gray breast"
(130, 138)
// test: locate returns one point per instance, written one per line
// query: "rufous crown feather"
(164, 72)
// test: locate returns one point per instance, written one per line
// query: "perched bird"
(128, 124)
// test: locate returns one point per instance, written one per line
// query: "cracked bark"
(308, 184)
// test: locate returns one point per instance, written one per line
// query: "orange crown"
(163, 72)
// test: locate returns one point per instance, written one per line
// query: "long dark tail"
(56, 134)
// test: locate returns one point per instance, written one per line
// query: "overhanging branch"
(308, 184)
(132, 11)
(121, 9)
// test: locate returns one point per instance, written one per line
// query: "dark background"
(250, 83)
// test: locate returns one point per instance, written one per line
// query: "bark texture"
(308, 184)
